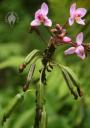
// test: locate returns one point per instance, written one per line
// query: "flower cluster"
(59, 32)
(77, 15)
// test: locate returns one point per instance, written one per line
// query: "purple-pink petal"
(35, 22)
(38, 13)
(44, 8)
(47, 22)
(79, 38)
(72, 9)
(70, 51)
(80, 52)
(81, 12)
(67, 39)
(80, 21)
(71, 21)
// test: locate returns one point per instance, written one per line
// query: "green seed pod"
(11, 107)
(74, 79)
(69, 83)
(31, 56)
(69, 75)
(29, 77)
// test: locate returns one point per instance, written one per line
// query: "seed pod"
(29, 77)
(32, 56)
(74, 79)
(11, 107)
(69, 83)
(21, 67)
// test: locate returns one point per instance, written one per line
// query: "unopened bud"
(66, 39)
(21, 67)
(58, 27)
(80, 92)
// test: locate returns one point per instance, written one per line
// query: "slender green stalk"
(40, 116)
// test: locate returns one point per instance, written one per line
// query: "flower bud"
(66, 39)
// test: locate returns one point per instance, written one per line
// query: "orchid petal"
(71, 21)
(70, 51)
(35, 22)
(66, 39)
(38, 13)
(81, 11)
(44, 8)
(80, 52)
(72, 9)
(48, 22)
(79, 38)
(80, 21)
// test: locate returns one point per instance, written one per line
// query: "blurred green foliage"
(17, 42)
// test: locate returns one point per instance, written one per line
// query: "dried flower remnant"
(41, 16)
(79, 49)
(59, 35)
(77, 15)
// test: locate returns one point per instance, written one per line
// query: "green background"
(16, 42)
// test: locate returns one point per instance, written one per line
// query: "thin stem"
(66, 24)
(38, 33)
(40, 116)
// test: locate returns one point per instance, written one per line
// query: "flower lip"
(41, 18)
(77, 17)
(80, 52)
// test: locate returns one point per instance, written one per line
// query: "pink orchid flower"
(79, 49)
(41, 17)
(77, 15)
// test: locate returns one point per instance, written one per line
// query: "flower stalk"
(40, 116)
